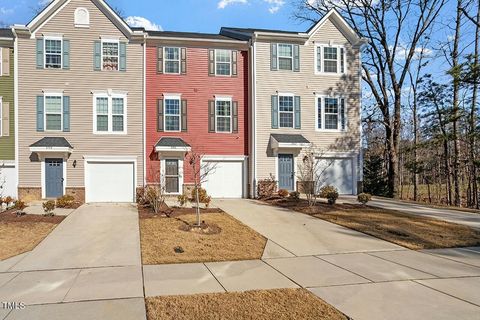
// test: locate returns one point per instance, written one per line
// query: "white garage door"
(226, 180)
(110, 182)
(337, 172)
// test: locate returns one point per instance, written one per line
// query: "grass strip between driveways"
(407, 230)
(276, 304)
(20, 234)
(160, 235)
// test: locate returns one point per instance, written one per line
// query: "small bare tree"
(201, 170)
(310, 173)
(154, 194)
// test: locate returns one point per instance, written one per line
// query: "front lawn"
(226, 238)
(19, 234)
(410, 231)
(263, 304)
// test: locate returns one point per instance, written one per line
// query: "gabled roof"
(6, 33)
(56, 5)
(171, 142)
(342, 24)
(52, 142)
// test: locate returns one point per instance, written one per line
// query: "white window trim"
(82, 25)
(110, 96)
(58, 38)
(52, 94)
(345, 113)
(293, 112)
(110, 40)
(165, 60)
(180, 173)
(172, 97)
(1, 109)
(285, 57)
(230, 57)
(229, 99)
(339, 60)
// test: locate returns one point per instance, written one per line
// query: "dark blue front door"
(285, 171)
(53, 178)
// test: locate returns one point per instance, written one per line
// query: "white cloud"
(401, 53)
(5, 11)
(135, 21)
(275, 5)
(224, 3)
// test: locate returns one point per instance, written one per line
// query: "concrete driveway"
(300, 234)
(89, 267)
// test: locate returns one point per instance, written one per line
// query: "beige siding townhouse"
(306, 95)
(80, 106)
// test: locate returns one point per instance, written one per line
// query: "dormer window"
(82, 18)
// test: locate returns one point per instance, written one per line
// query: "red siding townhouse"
(197, 101)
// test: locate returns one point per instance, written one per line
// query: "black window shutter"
(159, 59)
(211, 62)
(235, 117)
(183, 57)
(211, 116)
(184, 116)
(160, 115)
(234, 63)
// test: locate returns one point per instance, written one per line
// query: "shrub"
(155, 197)
(48, 207)
(330, 193)
(283, 193)
(66, 201)
(19, 205)
(364, 198)
(267, 187)
(8, 201)
(295, 195)
(182, 199)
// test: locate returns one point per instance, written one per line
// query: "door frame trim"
(43, 174)
(107, 159)
(277, 169)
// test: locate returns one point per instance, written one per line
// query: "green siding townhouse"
(8, 170)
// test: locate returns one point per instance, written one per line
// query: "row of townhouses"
(94, 108)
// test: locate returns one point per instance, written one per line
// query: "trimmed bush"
(364, 198)
(202, 196)
(283, 193)
(267, 187)
(48, 207)
(295, 195)
(67, 202)
(182, 199)
(330, 193)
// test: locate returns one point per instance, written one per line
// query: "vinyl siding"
(307, 84)
(197, 87)
(78, 83)
(7, 144)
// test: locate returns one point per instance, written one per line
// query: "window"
(285, 111)
(1, 106)
(110, 55)
(82, 18)
(172, 114)
(223, 115)
(285, 57)
(110, 113)
(53, 53)
(331, 113)
(53, 113)
(1, 64)
(172, 176)
(223, 62)
(172, 60)
(330, 59)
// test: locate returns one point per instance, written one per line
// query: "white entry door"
(337, 172)
(226, 179)
(110, 182)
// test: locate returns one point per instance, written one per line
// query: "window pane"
(319, 59)
(171, 184)
(110, 49)
(171, 167)
(102, 105)
(342, 60)
(285, 63)
(330, 66)
(110, 55)
(330, 53)
(172, 53)
(54, 121)
(102, 123)
(223, 69)
(223, 108)
(171, 176)
(172, 106)
(172, 67)
(343, 119)
(117, 124)
(331, 105)
(286, 103)
(285, 50)
(319, 112)
(286, 120)
(53, 104)
(223, 124)
(223, 59)
(330, 56)
(172, 123)
(331, 121)
(53, 46)
(117, 106)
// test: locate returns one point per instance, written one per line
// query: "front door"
(285, 171)
(53, 178)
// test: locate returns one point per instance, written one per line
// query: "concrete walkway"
(89, 267)
(471, 219)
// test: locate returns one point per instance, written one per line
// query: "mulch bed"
(145, 212)
(407, 230)
(11, 216)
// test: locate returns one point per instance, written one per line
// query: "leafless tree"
(311, 173)
(201, 171)
(393, 28)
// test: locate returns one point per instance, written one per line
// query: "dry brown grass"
(19, 237)
(410, 231)
(281, 304)
(160, 235)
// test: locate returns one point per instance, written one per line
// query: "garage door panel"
(226, 180)
(110, 182)
(337, 172)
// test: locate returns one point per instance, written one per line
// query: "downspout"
(144, 134)
(15, 103)
(254, 116)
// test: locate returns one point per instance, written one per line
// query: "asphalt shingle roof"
(171, 142)
(6, 33)
(290, 138)
(49, 142)
(193, 35)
